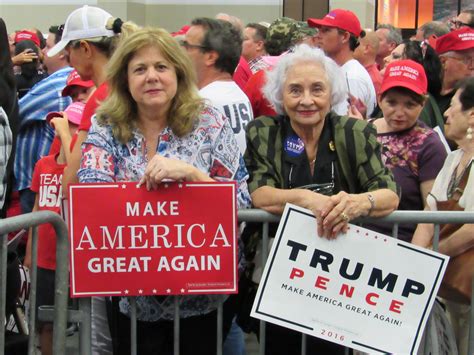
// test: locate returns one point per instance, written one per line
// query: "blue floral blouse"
(211, 147)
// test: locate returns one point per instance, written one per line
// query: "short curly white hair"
(275, 78)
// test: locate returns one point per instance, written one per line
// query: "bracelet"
(372, 203)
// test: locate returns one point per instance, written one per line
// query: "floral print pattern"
(414, 155)
(210, 147)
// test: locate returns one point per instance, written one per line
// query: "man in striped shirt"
(35, 135)
(5, 151)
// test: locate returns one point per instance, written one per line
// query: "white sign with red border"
(363, 290)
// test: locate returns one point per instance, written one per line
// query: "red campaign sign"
(127, 241)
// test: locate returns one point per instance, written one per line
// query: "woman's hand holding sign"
(160, 169)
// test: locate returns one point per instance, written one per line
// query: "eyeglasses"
(187, 45)
(468, 61)
(458, 24)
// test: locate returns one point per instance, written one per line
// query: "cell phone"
(348, 90)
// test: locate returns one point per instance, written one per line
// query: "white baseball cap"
(85, 22)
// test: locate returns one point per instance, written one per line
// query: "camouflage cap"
(279, 35)
(303, 31)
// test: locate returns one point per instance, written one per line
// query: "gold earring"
(469, 133)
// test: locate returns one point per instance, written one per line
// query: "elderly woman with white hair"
(309, 156)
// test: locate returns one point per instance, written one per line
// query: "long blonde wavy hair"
(120, 109)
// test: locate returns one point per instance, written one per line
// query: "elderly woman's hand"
(161, 169)
(339, 210)
(318, 204)
(324, 209)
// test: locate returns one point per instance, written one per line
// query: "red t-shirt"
(94, 101)
(99, 95)
(55, 146)
(242, 73)
(46, 183)
(253, 90)
(375, 76)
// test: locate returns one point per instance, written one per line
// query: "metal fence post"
(395, 231)
(471, 327)
(303, 344)
(33, 283)
(133, 325)
(220, 322)
(263, 335)
(26, 221)
(436, 237)
(85, 328)
(3, 285)
(176, 334)
(61, 284)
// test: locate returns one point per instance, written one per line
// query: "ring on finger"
(345, 217)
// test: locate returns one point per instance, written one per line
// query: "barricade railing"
(26, 221)
(82, 316)
(395, 219)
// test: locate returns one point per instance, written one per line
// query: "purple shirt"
(414, 155)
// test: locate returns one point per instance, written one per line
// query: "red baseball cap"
(74, 113)
(406, 74)
(74, 79)
(458, 40)
(344, 19)
(182, 31)
(27, 35)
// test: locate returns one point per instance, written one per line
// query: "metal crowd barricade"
(83, 315)
(396, 218)
(61, 281)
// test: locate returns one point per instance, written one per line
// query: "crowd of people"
(344, 121)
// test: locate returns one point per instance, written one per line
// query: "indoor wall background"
(172, 14)
(169, 14)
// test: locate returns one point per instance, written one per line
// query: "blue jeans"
(235, 342)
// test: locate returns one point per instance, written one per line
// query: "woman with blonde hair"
(154, 127)
(89, 37)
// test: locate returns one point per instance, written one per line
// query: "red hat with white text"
(74, 79)
(74, 113)
(458, 40)
(27, 35)
(339, 18)
(406, 74)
